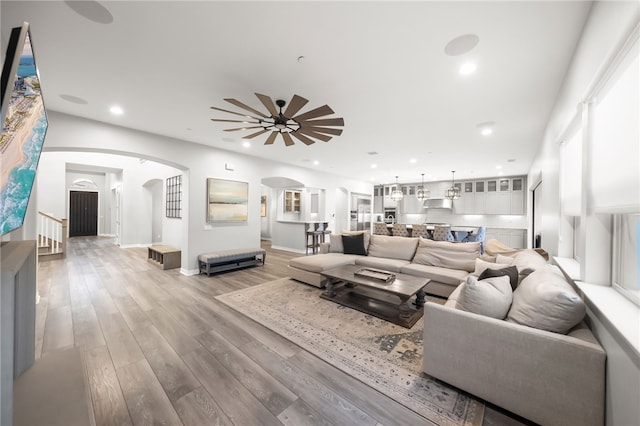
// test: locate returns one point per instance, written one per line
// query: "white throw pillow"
(335, 243)
(490, 297)
(545, 300)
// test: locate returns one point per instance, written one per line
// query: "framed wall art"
(263, 205)
(227, 200)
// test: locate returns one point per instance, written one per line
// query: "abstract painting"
(227, 200)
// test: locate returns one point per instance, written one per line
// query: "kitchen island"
(291, 235)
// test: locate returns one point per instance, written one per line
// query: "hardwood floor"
(160, 349)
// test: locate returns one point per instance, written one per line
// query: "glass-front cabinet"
(292, 201)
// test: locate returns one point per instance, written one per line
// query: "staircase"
(52, 237)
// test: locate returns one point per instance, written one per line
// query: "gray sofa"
(551, 378)
(445, 263)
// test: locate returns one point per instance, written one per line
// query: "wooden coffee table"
(376, 297)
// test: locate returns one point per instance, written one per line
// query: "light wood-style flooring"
(160, 349)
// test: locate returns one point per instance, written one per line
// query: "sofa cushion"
(354, 244)
(446, 254)
(526, 261)
(335, 243)
(490, 297)
(436, 273)
(509, 271)
(322, 262)
(392, 247)
(545, 300)
(391, 265)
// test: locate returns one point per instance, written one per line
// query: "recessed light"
(413, 161)
(373, 166)
(246, 144)
(500, 173)
(116, 110)
(486, 131)
(300, 59)
(467, 68)
(498, 167)
(316, 162)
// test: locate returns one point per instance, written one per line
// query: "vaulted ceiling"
(382, 66)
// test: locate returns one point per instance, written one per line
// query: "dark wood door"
(83, 213)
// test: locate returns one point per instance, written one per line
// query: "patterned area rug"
(383, 355)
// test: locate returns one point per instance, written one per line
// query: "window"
(174, 197)
(626, 257)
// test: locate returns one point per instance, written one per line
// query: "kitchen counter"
(291, 235)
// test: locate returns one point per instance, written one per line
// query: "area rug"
(382, 355)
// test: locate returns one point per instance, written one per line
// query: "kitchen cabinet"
(514, 238)
(517, 196)
(292, 201)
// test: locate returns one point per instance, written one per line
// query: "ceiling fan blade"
(295, 104)
(323, 122)
(244, 106)
(310, 132)
(253, 135)
(235, 121)
(318, 112)
(236, 113)
(328, 130)
(271, 139)
(287, 139)
(268, 103)
(243, 128)
(303, 138)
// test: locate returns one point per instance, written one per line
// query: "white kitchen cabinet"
(517, 196)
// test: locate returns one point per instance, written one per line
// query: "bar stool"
(313, 235)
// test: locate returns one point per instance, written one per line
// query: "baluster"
(56, 237)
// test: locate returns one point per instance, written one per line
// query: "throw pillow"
(335, 243)
(481, 266)
(510, 271)
(545, 300)
(354, 244)
(490, 297)
(367, 237)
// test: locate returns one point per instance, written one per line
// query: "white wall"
(608, 26)
(68, 133)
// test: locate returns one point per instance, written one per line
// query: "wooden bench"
(224, 260)
(168, 257)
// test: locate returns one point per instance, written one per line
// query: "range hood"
(437, 203)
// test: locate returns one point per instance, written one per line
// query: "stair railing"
(52, 233)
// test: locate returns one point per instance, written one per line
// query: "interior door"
(83, 213)
(536, 228)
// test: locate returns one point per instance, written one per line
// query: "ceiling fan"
(303, 127)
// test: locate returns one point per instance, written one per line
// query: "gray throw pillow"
(354, 244)
(510, 271)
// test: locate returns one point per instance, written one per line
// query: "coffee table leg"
(420, 298)
(330, 291)
(405, 309)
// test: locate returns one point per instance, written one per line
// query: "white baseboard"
(134, 245)
(288, 249)
(189, 272)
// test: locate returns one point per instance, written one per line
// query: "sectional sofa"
(446, 264)
(511, 332)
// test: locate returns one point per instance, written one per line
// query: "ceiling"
(380, 65)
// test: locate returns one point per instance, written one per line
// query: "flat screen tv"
(24, 124)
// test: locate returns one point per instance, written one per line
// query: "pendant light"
(423, 193)
(396, 194)
(452, 193)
